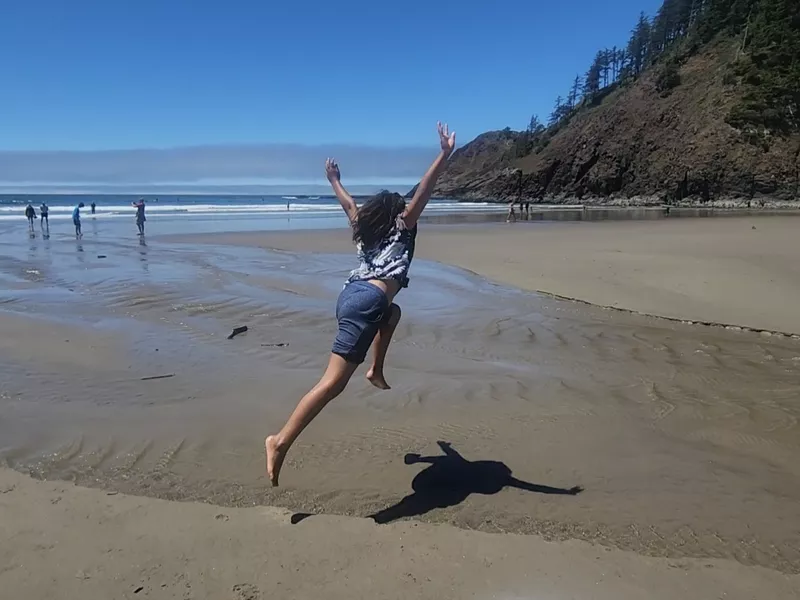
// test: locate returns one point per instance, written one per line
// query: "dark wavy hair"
(376, 218)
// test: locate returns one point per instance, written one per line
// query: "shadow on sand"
(451, 478)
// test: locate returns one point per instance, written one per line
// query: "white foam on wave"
(16, 212)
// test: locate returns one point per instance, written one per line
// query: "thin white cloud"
(187, 189)
(270, 164)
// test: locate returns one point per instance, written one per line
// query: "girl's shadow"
(451, 478)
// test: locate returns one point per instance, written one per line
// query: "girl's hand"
(447, 140)
(332, 170)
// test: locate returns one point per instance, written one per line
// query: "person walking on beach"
(512, 216)
(44, 213)
(93, 206)
(384, 231)
(76, 220)
(30, 214)
(140, 218)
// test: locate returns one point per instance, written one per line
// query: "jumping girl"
(384, 231)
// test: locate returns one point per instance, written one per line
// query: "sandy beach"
(61, 541)
(117, 376)
(734, 270)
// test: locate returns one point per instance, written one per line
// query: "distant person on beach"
(44, 212)
(384, 231)
(30, 214)
(140, 218)
(76, 220)
(512, 216)
(93, 206)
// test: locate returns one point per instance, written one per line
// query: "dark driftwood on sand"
(278, 345)
(168, 375)
(237, 331)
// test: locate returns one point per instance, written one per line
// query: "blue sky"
(89, 75)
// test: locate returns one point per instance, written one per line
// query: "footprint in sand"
(246, 591)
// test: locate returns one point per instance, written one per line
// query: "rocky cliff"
(639, 143)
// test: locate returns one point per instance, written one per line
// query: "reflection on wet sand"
(684, 439)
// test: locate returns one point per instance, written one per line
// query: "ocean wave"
(9, 212)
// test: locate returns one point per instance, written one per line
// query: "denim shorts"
(361, 309)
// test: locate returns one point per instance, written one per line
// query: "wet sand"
(684, 438)
(741, 271)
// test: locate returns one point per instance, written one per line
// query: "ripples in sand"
(685, 438)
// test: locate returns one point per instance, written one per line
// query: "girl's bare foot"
(275, 456)
(377, 380)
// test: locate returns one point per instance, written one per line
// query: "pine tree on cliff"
(773, 51)
(559, 112)
(605, 65)
(613, 62)
(683, 16)
(574, 93)
(535, 126)
(623, 62)
(624, 65)
(662, 31)
(591, 85)
(725, 15)
(697, 11)
(638, 46)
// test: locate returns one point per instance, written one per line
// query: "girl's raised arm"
(335, 178)
(447, 141)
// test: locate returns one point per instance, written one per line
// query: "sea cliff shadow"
(451, 478)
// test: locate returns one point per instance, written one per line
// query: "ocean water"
(12, 207)
(171, 214)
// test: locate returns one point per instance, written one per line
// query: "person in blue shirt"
(76, 220)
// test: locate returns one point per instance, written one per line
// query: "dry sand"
(61, 541)
(733, 270)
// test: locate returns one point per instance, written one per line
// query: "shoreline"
(713, 324)
(625, 273)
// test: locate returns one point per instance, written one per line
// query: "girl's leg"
(333, 382)
(380, 346)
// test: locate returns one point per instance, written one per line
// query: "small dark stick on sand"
(237, 331)
(278, 345)
(167, 376)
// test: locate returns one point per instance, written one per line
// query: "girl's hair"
(376, 218)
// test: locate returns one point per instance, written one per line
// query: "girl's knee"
(334, 386)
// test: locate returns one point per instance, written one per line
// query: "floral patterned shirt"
(390, 259)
